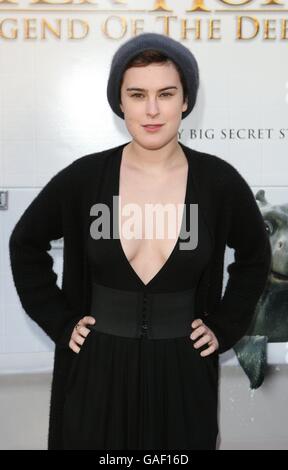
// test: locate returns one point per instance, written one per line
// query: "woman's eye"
(136, 95)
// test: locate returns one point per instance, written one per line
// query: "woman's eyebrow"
(143, 89)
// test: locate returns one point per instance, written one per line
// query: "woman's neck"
(154, 160)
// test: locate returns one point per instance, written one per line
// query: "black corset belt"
(137, 314)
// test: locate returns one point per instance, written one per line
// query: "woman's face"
(150, 104)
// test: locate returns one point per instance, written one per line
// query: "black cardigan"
(62, 209)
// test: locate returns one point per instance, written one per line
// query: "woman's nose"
(152, 106)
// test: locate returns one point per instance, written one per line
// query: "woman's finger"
(73, 346)
(88, 320)
(78, 342)
(78, 339)
(82, 331)
(208, 351)
(205, 339)
(198, 332)
(196, 323)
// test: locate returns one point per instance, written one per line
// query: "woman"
(139, 322)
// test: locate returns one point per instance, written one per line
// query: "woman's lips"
(153, 128)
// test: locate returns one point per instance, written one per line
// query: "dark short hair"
(152, 56)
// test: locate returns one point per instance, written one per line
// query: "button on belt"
(144, 324)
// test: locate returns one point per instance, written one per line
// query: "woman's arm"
(249, 272)
(31, 265)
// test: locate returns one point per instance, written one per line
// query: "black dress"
(139, 393)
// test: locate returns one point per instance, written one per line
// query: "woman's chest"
(150, 212)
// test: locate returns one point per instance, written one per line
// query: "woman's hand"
(208, 337)
(80, 332)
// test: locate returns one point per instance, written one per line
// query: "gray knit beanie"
(173, 49)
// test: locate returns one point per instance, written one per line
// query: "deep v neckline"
(172, 253)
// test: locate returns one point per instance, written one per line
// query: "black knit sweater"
(62, 209)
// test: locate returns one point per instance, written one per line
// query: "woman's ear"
(185, 105)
